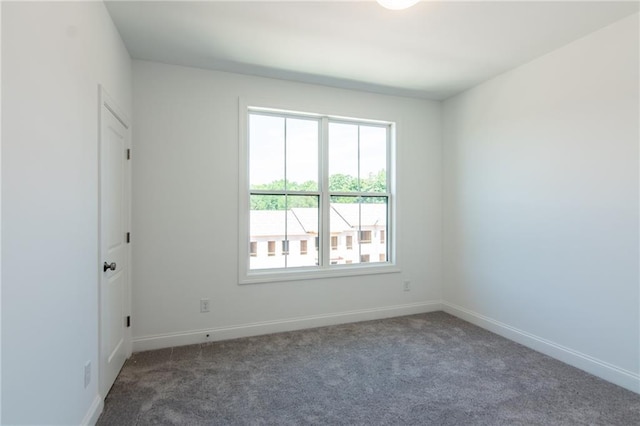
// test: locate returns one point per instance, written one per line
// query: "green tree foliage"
(346, 183)
(343, 183)
(375, 183)
(337, 183)
(281, 202)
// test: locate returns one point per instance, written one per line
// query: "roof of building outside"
(304, 220)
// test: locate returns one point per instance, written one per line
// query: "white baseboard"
(604, 370)
(91, 418)
(246, 330)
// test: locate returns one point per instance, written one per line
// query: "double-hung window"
(322, 186)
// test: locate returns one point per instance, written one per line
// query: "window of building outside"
(319, 180)
(365, 237)
(334, 243)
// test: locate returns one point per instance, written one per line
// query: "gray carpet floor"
(427, 369)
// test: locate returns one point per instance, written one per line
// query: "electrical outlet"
(87, 374)
(407, 285)
(204, 305)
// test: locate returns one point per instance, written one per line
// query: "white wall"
(54, 55)
(185, 210)
(541, 203)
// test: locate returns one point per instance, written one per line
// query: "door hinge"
(128, 154)
(128, 320)
(128, 237)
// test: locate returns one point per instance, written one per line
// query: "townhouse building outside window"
(320, 185)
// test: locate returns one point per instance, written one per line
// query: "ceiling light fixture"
(397, 4)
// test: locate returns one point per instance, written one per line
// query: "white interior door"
(114, 249)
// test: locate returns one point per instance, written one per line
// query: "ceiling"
(433, 50)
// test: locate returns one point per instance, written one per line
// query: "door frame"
(107, 105)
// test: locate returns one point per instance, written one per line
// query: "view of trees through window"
(285, 199)
(337, 183)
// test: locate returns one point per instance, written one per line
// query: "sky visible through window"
(267, 135)
(343, 150)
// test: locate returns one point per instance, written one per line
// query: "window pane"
(303, 219)
(284, 225)
(373, 159)
(359, 221)
(302, 155)
(373, 224)
(266, 152)
(343, 157)
(344, 221)
(267, 220)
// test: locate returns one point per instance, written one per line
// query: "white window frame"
(325, 269)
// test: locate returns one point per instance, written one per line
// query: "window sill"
(303, 274)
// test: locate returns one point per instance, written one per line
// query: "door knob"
(111, 266)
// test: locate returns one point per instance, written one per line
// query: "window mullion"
(360, 194)
(359, 204)
(390, 219)
(281, 192)
(286, 197)
(325, 226)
